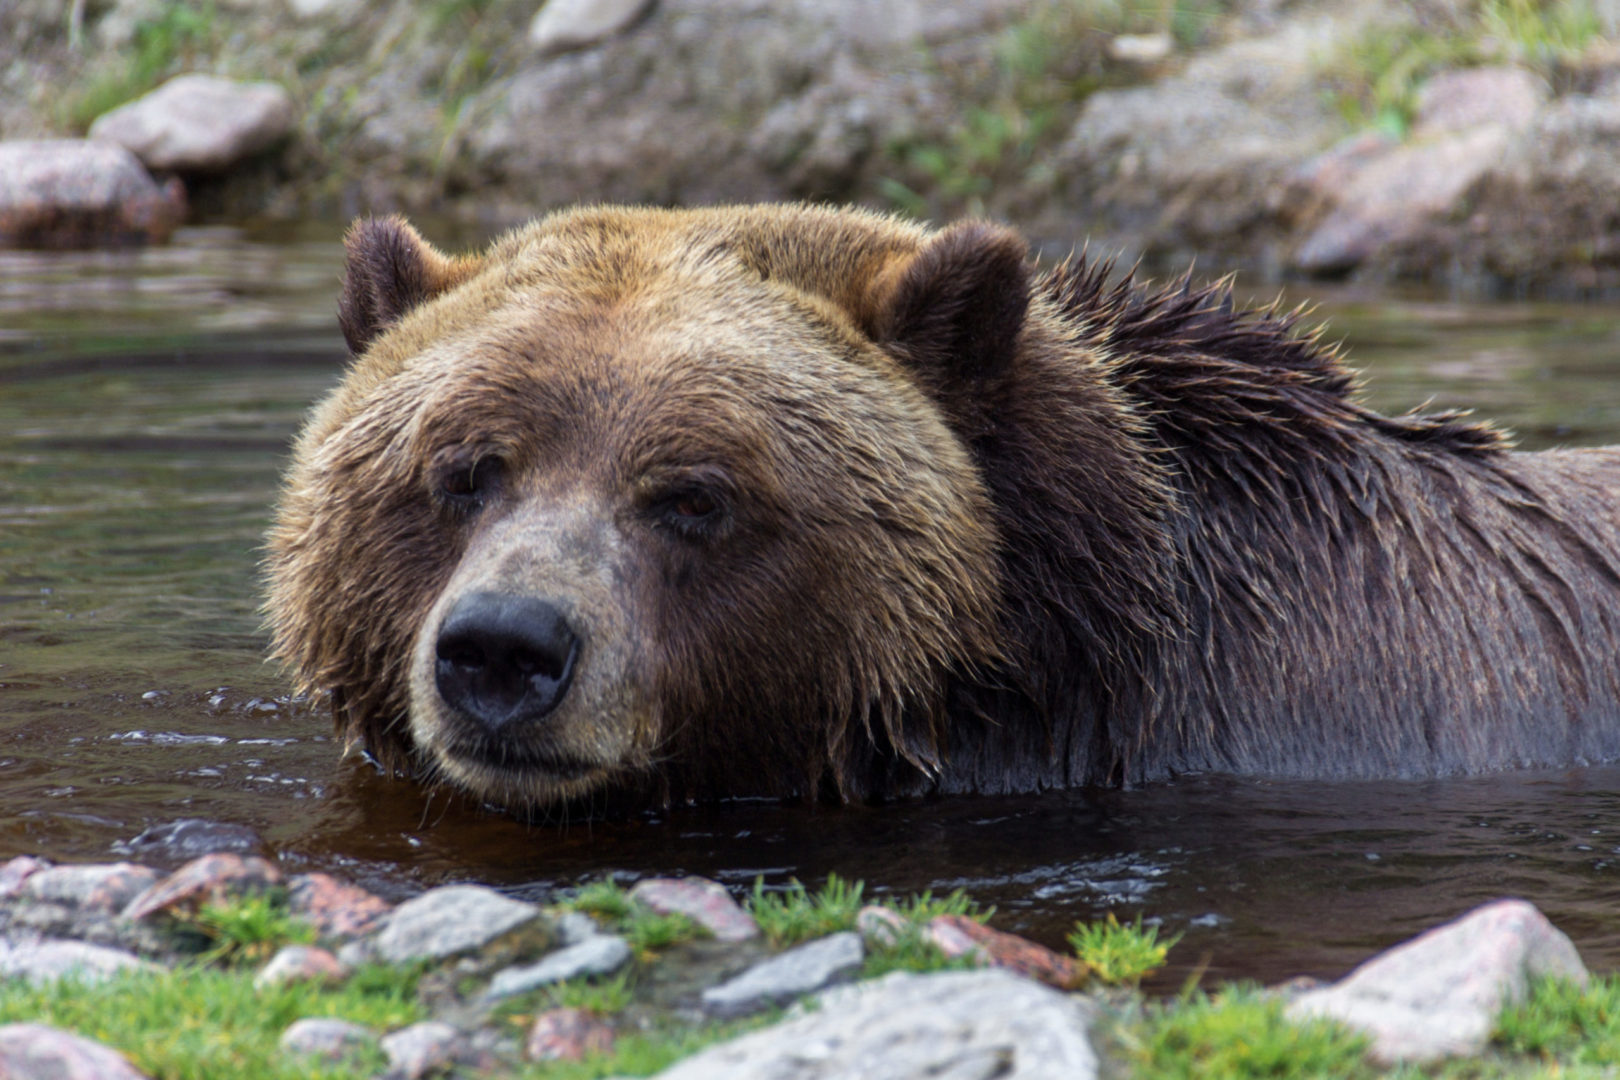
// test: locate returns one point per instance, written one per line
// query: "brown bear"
(663, 505)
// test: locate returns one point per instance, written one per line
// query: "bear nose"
(504, 659)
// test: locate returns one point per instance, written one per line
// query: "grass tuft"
(1120, 954)
(794, 914)
(1564, 1022)
(1238, 1035)
(249, 929)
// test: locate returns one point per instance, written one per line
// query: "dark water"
(146, 403)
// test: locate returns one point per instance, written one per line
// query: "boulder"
(561, 25)
(81, 193)
(28, 1051)
(199, 123)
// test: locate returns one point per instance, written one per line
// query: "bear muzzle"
(503, 660)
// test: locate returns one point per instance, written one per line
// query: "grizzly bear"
(656, 505)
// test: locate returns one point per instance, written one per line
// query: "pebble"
(567, 1035)
(456, 919)
(211, 879)
(782, 978)
(599, 954)
(40, 1052)
(421, 1050)
(95, 887)
(300, 963)
(327, 1038)
(703, 901)
(335, 908)
(47, 960)
(999, 949)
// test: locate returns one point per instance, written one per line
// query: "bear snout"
(504, 660)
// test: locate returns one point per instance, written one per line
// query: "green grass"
(1119, 954)
(646, 930)
(174, 32)
(794, 914)
(249, 929)
(198, 1023)
(1238, 1035)
(1562, 1022)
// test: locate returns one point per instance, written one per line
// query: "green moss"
(1120, 954)
(209, 1024)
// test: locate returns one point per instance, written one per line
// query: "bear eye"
(692, 512)
(464, 483)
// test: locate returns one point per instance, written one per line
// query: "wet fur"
(1176, 541)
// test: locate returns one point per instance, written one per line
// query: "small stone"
(211, 879)
(960, 1025)
(421, 1049)
(880, 926)
(780, 979)
(561, 25)
(703, 901)
(49, 960)
(599, 954)
(39, 1052)
(300, 963)
(94, 887)
(199, 123)
(17, 871)
(1438, 995)
(1003, 950)
(188, 838)
(567, 1035)
(327, 1038)
(456, 919)
(335, 908)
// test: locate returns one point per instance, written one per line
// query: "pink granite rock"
(39, 1052)
(300, 963)
(567, 1035)
(703, 901)
(17, 871)
(333, 907)
(208, 880)
(92, 887)
(999, 949)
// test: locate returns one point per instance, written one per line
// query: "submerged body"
(652, 505)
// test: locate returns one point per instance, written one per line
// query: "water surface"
(146, 404)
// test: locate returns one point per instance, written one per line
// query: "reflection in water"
(146, 403)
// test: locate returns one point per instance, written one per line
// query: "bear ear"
(959, 303)
(390, 269)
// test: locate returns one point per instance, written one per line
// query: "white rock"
(448, 921)
(782, 978)
(420, 1050)
(327, 1038)
(561, 25)
(961, 1025)
(599, 954)
(1438, 995)
(48, 960)
(199, 123)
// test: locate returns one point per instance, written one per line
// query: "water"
(146, 404)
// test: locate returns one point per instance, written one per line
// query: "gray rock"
(450, 921)
(599, 954)
(561, 25)
(1455, 101)
(47, 960)
(300, 963)
(961, 1025)
(574, 927)
(187, 838)
(65, 193)
(39, 1052)
(327, 1038)
(782, 978)
(199, 123)
(421, 1049)
(17, 871)
(1438, 995)
(99, 887)
(703, 901)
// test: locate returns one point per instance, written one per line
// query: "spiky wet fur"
(1207, 554)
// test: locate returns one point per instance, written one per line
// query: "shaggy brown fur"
(836, 504)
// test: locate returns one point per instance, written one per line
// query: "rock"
(104, 887)
(1455, 101)
(965, 1025)
(39, 1052)
(561, 25)
(780, 979)
(880, 926)
(567, 1035)
(600, 954)
(48, 960)
(420, 1050)
(327, 1038)
(300, 963)
(456, 919)
(1392, 197)
(199, 123)
(18, 870)
(73, 193)
(188, 838)
(211, 879)
(574, 927)
(335, 908)
(313, 9)
(703, 901)
(1438, 995)
(1140, 48)
(999, 949)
